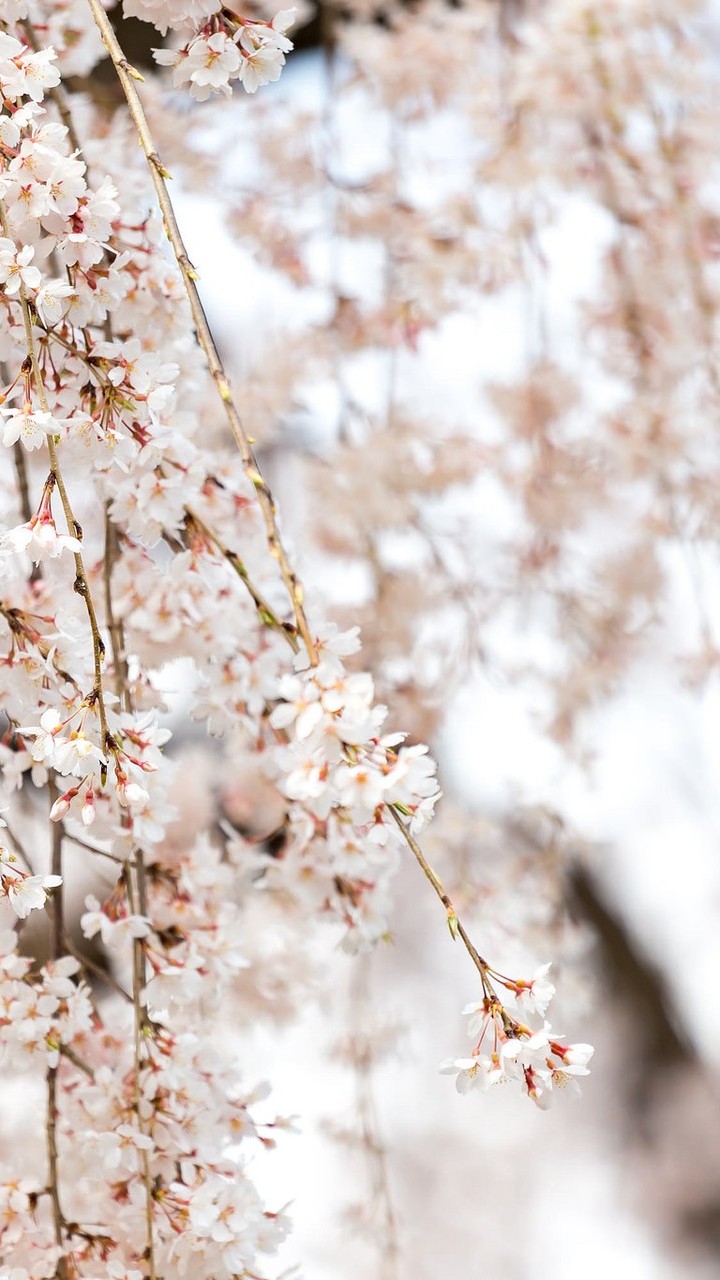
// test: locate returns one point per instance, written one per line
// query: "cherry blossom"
(478, 1072)
(15, 269)
(261, 65)
(113, 931)
(30, 426)
(207, 65)
(251, 52)
(509, 1050)
(176, 563)
(170, 13)
(27, 893)
(39, 539)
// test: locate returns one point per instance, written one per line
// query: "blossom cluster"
(134, 536)
(507, 1050)
(227, 49)
(120, 551)
(43, 1013)
(590, 119)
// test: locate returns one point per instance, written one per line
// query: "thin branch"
(93, 848)
(51, 1121)
(77, 1061)
(24, 492)
(93, 967)
(135, 887)
(51, 1132)
(56, 839)
(20, 848)
(127, 76)
(114, 625)
(22, 479)
(266, 612)
(455, 925)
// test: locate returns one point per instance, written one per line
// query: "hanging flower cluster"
(128, 543)
(505, 1049)
(230, 48)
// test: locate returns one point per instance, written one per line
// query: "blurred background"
(463, 263)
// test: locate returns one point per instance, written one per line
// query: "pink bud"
(62, 804)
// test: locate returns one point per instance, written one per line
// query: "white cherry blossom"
(260, 66)
(39, 539)
(536, 993)
(105, 389)
(30, 426)
(15, 269)
(28, 893)
(115, 932)
(477, 1072)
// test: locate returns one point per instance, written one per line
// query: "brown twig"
(24, 491)
(265, 611)
(22, 479)
(19, 845)
(135, 888)
(93, 967)
(93, 848)
(455, 925)
(114, 625)
(66, 1052)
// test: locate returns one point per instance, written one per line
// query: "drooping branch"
(134, 877)
(159, 174)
